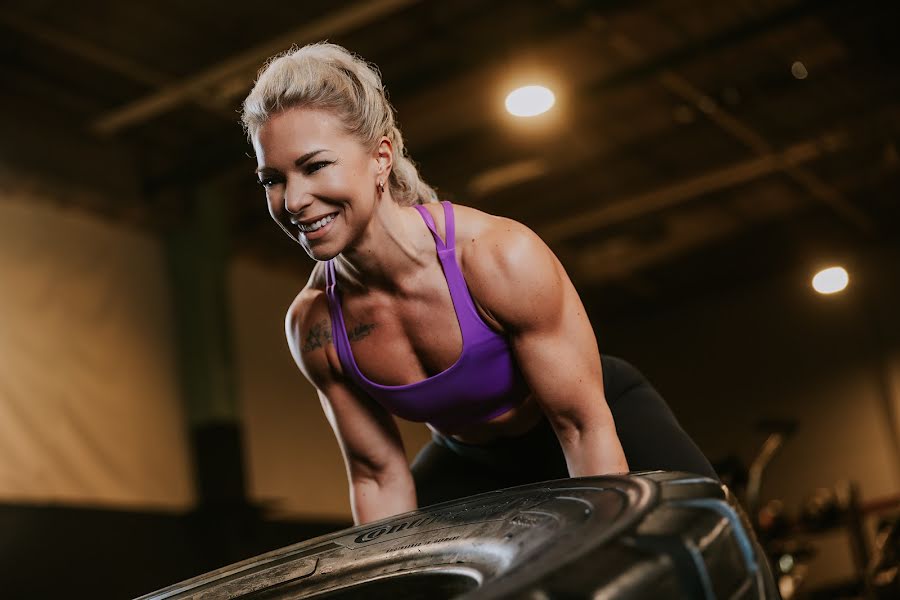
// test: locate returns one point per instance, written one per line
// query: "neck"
(391, 251)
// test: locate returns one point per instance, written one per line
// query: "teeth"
(318, 224)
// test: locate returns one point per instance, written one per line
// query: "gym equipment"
(644, 535)
(778, 430)
(884, 569)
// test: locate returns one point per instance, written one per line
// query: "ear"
(384, 156)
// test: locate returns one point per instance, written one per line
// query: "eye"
(313, 167)
(268, 182)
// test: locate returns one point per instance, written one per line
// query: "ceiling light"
(529, 101)
(830, 280)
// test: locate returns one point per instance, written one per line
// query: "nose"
(296, 198)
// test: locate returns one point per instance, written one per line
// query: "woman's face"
(320, 181)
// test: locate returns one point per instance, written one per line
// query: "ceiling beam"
(476, 129)
(84, 50)
(746, 135)
(681, 192)
(95, 55)
(221, 80)
(622, 257)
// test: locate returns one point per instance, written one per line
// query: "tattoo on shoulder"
(360, 331)
(319, 335)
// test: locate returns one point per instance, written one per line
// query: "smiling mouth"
(315, 225)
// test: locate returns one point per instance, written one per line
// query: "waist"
(514, 422)
(512, 449)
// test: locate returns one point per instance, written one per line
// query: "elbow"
(573, 427)
(569, 428)
(382, 475)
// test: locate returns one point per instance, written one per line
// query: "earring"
(380, 187)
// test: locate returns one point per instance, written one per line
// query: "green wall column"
(198, 251)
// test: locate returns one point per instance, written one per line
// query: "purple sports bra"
(483, 383)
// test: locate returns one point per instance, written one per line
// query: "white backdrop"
(89, 406)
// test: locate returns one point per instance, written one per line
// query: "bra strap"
(338, 331)
(449, 225)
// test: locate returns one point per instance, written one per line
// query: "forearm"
(593, 451)
(372, 499)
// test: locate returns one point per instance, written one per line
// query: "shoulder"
(481, 236)
(307, 326)
(508, 267)
(499, 243)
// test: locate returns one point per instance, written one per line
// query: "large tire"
(645, 535)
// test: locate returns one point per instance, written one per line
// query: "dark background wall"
(71, 552)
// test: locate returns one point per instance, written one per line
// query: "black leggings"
(446, 469)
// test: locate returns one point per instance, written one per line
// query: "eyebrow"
(297, 163)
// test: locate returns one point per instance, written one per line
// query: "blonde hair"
(329, 77)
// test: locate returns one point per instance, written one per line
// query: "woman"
(432, 312)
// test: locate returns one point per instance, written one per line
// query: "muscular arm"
(524, 286)
(377, 471)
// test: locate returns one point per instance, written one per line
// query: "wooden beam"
(746, 135)
(681, 192)
(238, 70)
(95, 55)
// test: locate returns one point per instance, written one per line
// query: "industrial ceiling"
(694, 145)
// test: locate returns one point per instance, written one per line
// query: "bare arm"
(380, 481)
(531, 295)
